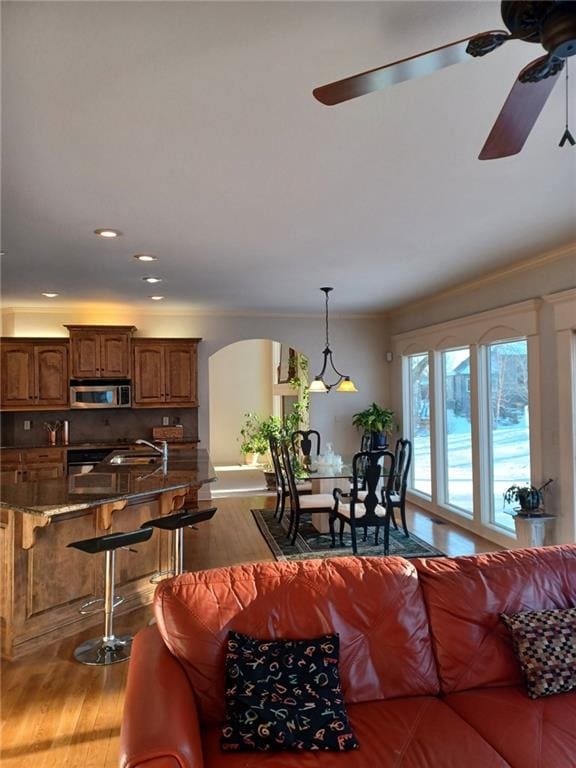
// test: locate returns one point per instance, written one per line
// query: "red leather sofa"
(428, 670)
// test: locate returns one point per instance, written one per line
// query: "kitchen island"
(44, 582)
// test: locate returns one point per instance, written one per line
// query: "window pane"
(457, 428)
(509, 429)
(418, 383)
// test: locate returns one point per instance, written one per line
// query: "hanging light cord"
(567, 136)
(327, 342)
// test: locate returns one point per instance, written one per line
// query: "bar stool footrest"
(160, 576)
(83, 612)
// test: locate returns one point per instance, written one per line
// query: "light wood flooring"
(57, 713)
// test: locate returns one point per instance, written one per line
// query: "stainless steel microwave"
(100, 394)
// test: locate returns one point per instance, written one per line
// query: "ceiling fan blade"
(410, 68)
(519, 114)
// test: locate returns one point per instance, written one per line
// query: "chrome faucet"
(163, 451)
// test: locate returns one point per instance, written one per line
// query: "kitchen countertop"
(107, 483)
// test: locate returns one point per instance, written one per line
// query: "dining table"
(324, 477)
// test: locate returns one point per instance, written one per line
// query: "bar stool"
(108, 649)
(176, 523)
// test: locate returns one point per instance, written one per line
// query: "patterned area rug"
(312, 544)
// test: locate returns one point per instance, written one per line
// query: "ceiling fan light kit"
(550, 23)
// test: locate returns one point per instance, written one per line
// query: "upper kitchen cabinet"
(165, 372)
(34, 374)
(100, 351)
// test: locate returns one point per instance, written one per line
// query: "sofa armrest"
(160, 726)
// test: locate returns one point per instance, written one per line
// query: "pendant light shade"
(317, 385)
(346, 385)
(343, 383)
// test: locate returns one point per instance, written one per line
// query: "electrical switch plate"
(27, 424)
(165, 421)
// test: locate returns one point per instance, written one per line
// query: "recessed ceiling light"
(50, 295)
(152, 279)
(145, 257)
(156, 298)
(107, 232)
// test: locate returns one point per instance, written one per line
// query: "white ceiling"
(191, 127)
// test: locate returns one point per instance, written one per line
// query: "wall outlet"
(27, 425)
(165, 421)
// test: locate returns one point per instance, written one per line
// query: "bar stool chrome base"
(97, 653)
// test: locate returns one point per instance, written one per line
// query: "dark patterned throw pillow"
(284, 694)
(545, 646)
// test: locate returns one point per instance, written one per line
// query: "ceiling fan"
(552, 23)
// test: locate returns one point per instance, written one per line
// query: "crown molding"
(525, 310)
(525, 265)
(141, 310)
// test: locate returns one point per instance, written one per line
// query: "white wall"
(240, 380)
(359, 344)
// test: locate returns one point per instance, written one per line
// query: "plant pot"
(251, 458)
(378, 441)
(270, 478)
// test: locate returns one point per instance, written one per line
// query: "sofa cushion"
(284, 694)
(528, 733)
(465, 597)
(374, 604)
(545, 645)
(418, 732)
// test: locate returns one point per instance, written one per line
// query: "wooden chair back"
(304, 437)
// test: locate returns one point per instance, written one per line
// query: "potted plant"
(528, 497)
(254, 443)
(377, 422)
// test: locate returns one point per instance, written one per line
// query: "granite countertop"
(109, 482)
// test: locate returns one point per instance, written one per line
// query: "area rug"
(312, 544)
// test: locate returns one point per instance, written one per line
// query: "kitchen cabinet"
(100, 351)
(34, 374)
(165, 372)
(32, 464)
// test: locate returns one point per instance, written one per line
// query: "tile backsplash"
(93, 426)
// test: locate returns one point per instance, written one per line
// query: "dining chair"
(402, 462)
(303, 436)
(300, 504)
(363, 507)
(282, 490)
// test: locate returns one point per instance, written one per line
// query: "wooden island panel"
(45, 582)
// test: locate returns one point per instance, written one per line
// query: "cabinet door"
(149, 379)
(18, 386)
(85, 353)
(51, 373)
(43, 471)
(181, 374)
(115, 355)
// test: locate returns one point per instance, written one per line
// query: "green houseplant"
(528, 497)
(377, 422)
(254, 442)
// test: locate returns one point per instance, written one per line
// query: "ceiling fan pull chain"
(567, 136)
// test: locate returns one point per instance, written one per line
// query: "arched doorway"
(253, 376)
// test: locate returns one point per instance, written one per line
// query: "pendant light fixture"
(343, 383)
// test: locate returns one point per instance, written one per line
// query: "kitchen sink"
(131, 458)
